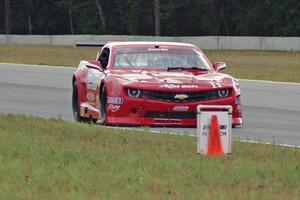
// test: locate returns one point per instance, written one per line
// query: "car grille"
(170, 115)
(191, 96)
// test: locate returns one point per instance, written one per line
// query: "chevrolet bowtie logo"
(181, 97)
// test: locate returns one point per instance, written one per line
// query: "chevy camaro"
(151, 83)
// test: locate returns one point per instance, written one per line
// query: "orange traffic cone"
(214, 138)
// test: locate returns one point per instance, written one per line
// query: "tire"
(103, 99)
(75, 105)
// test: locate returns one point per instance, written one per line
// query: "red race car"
(151, 83)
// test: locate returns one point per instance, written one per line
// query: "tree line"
(151, 17)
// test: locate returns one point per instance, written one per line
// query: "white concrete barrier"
(69, 39)
(281, 43)
(29, 39)
(3, 39)
(240, 43)
(203, 42)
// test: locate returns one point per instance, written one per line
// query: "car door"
(94, 77)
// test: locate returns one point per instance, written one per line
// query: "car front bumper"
(135, 111)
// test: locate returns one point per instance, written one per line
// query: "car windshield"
(159, 58)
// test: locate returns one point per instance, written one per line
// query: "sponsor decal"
(90, 96)
(189, 86)
(113, 108)
(171, 86)
(181, 108)
(157, 49)
(181, 97)
(114, 100)
(91, 77)
(92, 86)
(206, 129)
(222, 127)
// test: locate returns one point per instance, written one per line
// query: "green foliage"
(136, 17)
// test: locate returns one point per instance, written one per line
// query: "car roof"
(148, 43)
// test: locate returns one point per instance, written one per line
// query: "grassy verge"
(46, 55)
(53, 159)
(264, 65)
(261, 65)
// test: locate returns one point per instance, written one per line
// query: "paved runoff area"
(271, 109)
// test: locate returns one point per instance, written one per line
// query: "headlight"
(132, 92)
(223, 92)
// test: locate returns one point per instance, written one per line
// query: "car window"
(104, 57)
(158, 58)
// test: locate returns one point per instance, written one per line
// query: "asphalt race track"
(271, 110)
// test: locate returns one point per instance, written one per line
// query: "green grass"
(46, 55)
(261, 65)
(54, 159)
(264, 65)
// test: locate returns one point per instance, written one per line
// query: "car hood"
(172, 79)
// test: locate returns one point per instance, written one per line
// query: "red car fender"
(113, 87)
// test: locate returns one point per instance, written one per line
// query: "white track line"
(271, 82)
(34, 65)
(182, 134)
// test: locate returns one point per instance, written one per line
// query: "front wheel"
(103, 106)
(75, 107)
(75, 104)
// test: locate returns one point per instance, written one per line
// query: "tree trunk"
(102, 17)
(70, 18)
(7, 17)
(157, 17)
(245, 9)
(247, 24)
(222, 22)
(225, 24)
(29, 18)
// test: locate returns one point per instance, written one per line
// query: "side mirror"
(219, 66)
(95, 64)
